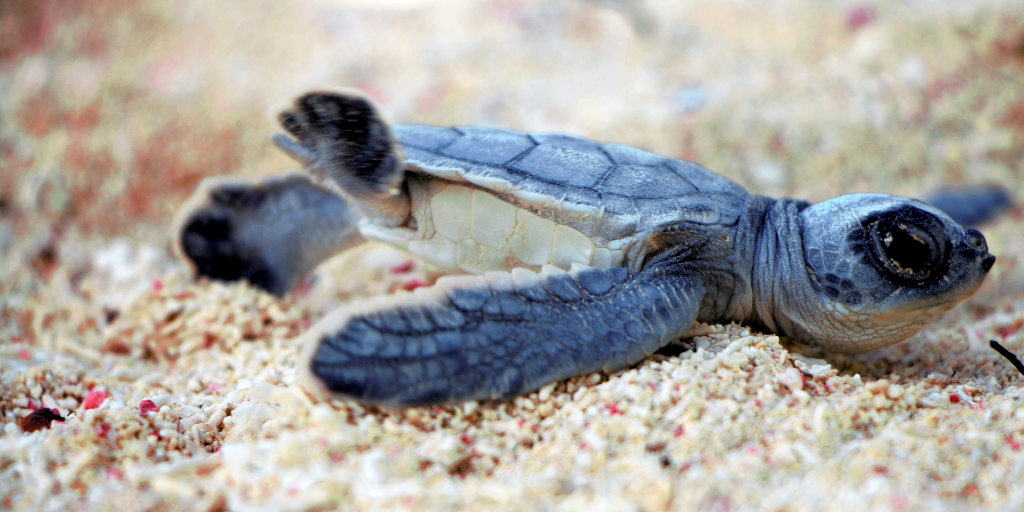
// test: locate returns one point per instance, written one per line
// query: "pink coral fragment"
(859, 17)
(147, 406)
(94, 399)
(412, 284)
(402, 268)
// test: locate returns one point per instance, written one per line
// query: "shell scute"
(563, 165)
(567, 141)
(609, 191)
(429, 137)
(703, 179)
(646, 182)
(488, 146)
(628, 155)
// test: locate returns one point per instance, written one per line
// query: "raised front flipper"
(496, 336)
(270, 233)
(341, 132)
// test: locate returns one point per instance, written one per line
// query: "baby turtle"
(581, 256)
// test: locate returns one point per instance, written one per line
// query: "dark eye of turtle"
(910, 244)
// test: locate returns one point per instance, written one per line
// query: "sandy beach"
(182, 395)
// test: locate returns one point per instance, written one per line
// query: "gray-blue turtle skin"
(850, 274)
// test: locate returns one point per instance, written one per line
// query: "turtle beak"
(976, 242)
(987, 262)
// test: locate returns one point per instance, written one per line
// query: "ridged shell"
(606, 190)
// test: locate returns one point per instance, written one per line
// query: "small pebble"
(40, 419)
(147, 406)
(94, 399)
(792, 379)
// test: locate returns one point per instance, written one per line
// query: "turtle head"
(880, 267)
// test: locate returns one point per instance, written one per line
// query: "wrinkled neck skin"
(754, 271)
(766, 231)
(782, 289)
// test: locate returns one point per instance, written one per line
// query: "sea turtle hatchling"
(581, 256)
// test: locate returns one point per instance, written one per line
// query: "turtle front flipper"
(270, 232)
(496, 336)
(341, 134)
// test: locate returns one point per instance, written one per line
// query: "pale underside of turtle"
(580, 256)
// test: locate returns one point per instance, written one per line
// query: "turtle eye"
(910, 244)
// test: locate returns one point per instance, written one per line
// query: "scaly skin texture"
(853, 273)
(499, 335)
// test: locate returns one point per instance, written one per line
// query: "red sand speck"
(94, 399)
(147, 406)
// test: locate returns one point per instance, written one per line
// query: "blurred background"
(112, 111)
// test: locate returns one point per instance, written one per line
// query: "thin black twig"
(1008, 355)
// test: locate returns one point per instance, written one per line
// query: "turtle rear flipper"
(341, 134)
(270, 233)
(972, 206)
(498, 335)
